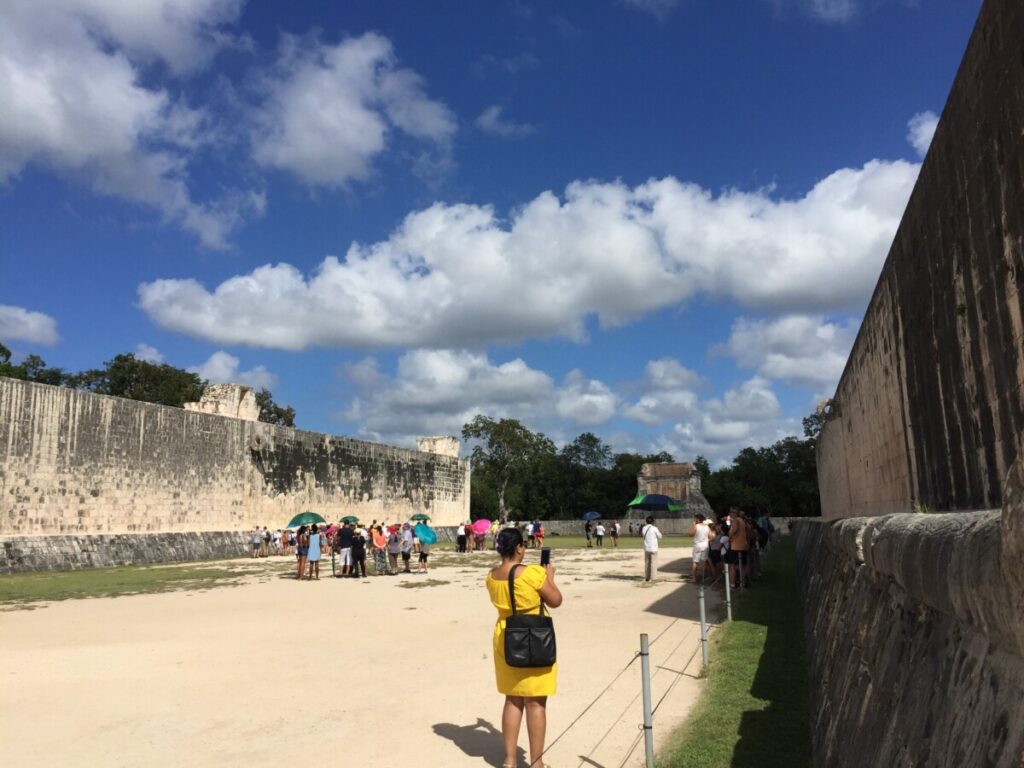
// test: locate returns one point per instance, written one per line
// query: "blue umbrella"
(591, 515)
(425, 534)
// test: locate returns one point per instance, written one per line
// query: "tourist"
(715, 550)
(407, 547)
(380, 552)
(525, 689)
(460, 538)
(701, 534)
(344, 544)
(529, 533)
(599, 534)
(358, 555)
(739, 549)
(650, 535)
(394, 550)
(538, 534)
(313, 551)
(265, 544)
(424, 554)
(256, 538)
(301, 550)
(277, 542)
(588, 531)
(614, 531)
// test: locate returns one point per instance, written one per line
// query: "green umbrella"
(350, 519)
(655, 502)
(305, 518)
(420, 516)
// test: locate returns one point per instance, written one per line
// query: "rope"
(637, 696)
(587, 708)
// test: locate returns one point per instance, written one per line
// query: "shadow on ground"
(481, 740)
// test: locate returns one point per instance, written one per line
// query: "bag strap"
(512, 590)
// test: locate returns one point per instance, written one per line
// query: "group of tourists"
(736, 539)
(385, 545)
(596, 531)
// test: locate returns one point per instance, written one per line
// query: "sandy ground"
(339, 671)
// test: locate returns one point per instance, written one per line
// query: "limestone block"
(443, 446)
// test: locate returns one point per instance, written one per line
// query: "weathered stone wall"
(78, 463)
(64, 553)
(930, 408)
(915, 632)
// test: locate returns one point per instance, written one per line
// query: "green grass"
(753, 711)
(23, 589)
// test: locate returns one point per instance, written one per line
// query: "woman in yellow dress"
(524, 688)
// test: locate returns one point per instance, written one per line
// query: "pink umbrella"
(480, 527)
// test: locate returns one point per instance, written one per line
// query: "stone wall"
(915, 633)
(930, 408)
(64, 553)
(77, 463)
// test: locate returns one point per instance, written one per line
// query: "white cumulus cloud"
(921, 129)
(435, 392)
(330, 110)
(223, 368)
(148, 354)
(491, 121)
(20, 324)
(75, 101)
(460, 275)
(805, 350)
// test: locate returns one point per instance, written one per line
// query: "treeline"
(127, 376)
(519, 474)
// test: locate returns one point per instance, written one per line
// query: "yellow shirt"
(516, 681)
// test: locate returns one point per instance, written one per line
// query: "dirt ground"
(344, 671)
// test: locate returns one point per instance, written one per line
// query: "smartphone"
(545, 555)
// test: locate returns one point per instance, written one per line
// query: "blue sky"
(658, 221)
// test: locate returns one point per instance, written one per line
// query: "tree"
(32, 368)
(703, 469)
(126, 376)
(588, 450)
(271, 412)
(504, 450)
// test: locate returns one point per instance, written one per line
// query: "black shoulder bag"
(529, 640)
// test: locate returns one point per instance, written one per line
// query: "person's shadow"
(481, 740)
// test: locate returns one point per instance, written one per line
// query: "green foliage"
(753, 711)
(272, 413)
(127, 376)
(518, 473)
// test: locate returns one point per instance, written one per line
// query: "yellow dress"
(516, 681)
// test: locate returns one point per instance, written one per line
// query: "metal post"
(645, 675)
(728, 594)
(703, 625)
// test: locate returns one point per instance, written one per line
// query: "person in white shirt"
(599, 533)
(615, 533)
(701, 534)
(650, 534)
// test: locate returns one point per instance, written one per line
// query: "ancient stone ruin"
(94, 480)
(915, 621)
(679, 480)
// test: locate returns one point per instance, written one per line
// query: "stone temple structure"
(679, 480)
(913, 586)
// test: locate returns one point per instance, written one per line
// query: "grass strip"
(22, 589)
(753, 711)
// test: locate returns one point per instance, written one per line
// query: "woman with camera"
(520, 652)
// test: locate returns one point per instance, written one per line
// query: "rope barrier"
(587, 708)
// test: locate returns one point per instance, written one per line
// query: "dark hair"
(650, 519)
(509, 540)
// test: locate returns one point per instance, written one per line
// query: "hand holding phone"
(545, 556)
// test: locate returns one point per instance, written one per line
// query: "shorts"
(345, 556)
(302, 551)
(406, 556)
(255, 545)
(715, 555)
(700, 555)
(424, 556)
